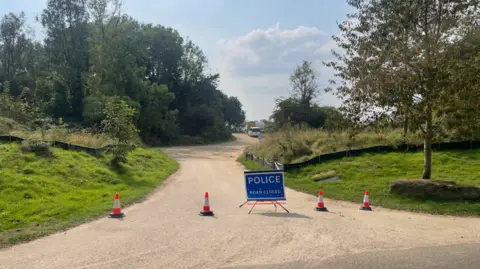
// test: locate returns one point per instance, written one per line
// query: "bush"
(434, 189)
(118, 124)
(40, 148)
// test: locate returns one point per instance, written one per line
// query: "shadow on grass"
(284, 215)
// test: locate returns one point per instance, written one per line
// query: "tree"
(15, 47)
(93, 53)
(304, 84)
(461, 117)
(290, 111)
(66, 44)
(396, 59)
(118, 124)
(156, 121)
(300, 107)
(232, 110)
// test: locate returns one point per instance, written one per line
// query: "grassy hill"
(41, 195)
(375, 172)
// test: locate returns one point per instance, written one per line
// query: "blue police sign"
(265, 185)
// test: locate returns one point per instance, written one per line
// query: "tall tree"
(395, 57)
(14, 45)
(66, 22)
(233, 112)
(304, 83)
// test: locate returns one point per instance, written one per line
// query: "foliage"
(40, 148)
(377, 171)
(156, 120)
(299, 107)
(232, 109)
(39, 196)
(92, 52)
(304, 84)
(403, 57)
(15, 109)
(118, 124)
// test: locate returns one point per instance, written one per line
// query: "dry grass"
(295, 144)
(324, 175)
(55, 133)
(81, 138)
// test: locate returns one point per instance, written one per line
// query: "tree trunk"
(405, 125)
(427, 145)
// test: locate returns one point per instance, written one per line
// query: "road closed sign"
(265, 185)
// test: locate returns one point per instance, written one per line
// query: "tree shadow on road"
(283, 215)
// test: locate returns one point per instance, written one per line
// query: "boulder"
(435, 190)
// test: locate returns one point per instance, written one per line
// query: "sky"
(254, 44)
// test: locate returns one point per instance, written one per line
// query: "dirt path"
(166, 232)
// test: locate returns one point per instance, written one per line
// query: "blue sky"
(253, 44)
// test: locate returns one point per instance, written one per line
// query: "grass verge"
(375, 171)
(40, 196)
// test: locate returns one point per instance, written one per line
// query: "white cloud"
(256, 67)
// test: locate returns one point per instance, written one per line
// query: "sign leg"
(282, 207)
(243, 204)
(273, 203)
(252, 207)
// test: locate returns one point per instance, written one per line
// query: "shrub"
(118, 124)
(40, 148)
(434, 189)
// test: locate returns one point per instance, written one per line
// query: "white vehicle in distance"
(254, 131)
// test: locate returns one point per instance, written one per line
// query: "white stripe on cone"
(116, 203)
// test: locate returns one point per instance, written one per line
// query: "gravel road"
(166, 231)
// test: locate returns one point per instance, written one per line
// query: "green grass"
(374, 172)
(39, 196)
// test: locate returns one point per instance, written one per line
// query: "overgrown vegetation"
(94, 54)
(375, 172)
(40, 195)
(296, 143)
(54, 132)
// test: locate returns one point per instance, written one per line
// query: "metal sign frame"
(265, 200)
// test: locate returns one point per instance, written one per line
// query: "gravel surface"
(166, 230)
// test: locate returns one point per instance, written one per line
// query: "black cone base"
(117, 216)
(323, 209)
(206, 213)
(366, 208)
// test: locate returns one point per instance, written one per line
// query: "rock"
(435, 189)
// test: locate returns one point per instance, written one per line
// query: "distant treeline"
(93, 54)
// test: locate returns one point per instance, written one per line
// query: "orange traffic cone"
(206, 207)
(320, 204)
(117, 211)
(366, 204)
